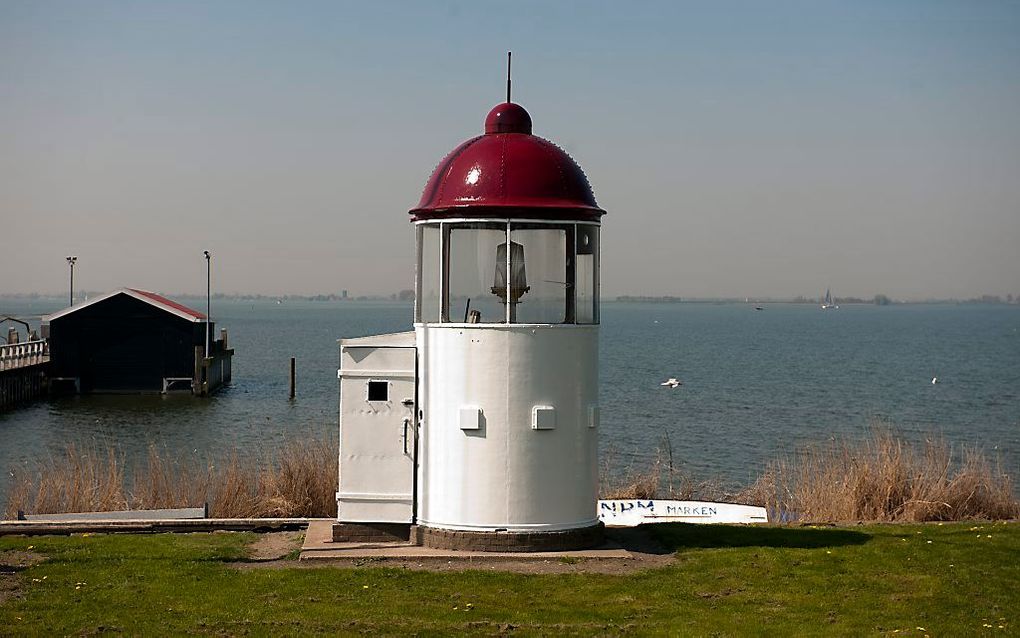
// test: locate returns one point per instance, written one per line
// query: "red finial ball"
(508, 118)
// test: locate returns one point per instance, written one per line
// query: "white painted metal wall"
(377, 437)
(509, 436)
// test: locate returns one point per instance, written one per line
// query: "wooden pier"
(23, 372)
(214, 371)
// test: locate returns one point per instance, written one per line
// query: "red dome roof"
(508, 172)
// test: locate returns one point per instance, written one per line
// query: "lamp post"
(70, 262)
(208, 288)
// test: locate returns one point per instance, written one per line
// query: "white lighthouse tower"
(478, 430)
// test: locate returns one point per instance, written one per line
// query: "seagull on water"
(934, 380)
(672, 382)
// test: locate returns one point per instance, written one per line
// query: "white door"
(377, 434)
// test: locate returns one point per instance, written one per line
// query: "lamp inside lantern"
(518, 277)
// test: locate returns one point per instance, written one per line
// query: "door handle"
(407, 422)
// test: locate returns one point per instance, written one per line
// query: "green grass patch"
(952, 579)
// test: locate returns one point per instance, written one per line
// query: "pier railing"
(18, 352)
(22, 372)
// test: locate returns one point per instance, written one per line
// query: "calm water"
(756, 384)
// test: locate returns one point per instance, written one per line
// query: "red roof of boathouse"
(145, 296)
(508, 172)
(171, 303)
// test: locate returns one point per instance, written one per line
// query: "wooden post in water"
(293, 376)
(196, 381)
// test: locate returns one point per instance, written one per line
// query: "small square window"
(543, 417)
(378, 390)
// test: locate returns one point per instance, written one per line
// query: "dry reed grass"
(662, 479)
(881, 478)
(298, 480)
(884, 478)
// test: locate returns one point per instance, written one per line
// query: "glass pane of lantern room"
(587, 274)
(540, 263)
(471, 262)
(427, 292)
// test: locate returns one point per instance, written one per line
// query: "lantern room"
(498, 272)
(491, 442)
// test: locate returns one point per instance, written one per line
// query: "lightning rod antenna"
(508, 76)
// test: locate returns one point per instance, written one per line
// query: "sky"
(740, 148)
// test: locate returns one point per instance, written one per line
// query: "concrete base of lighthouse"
(371, 532)
(558, 541)
(474, 541)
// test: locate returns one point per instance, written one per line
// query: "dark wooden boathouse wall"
(122, 344)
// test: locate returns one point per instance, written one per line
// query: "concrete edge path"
(37, 528)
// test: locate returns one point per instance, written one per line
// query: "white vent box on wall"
(470, 418)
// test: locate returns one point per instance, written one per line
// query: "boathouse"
(134, 341)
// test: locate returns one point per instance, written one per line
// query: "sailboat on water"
(829, 304)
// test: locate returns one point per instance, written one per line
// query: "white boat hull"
(634, 512)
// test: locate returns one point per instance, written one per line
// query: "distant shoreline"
(407, 296)
(879, 300)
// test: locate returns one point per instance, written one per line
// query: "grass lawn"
(958, 579)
